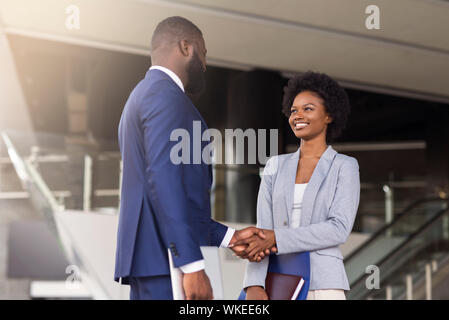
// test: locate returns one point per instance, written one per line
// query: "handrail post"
(409, 286)
(389, 206)
(389, 293)
(445, 224)
(87, 192)
(428, 281)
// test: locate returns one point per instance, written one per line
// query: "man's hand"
(255, 248)
(197, 286)
(261, 255)
(244, 234)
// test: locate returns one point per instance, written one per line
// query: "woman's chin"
(300, 135)
(303, 133)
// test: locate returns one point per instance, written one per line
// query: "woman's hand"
(256, 247)
(245, 234)
(256, 293)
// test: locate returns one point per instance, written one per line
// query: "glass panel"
(390, 238)
(426, 243)
(57, 167)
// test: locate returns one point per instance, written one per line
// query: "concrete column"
(254, 102)
(437, 140)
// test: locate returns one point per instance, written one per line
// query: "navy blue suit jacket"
(163, 205)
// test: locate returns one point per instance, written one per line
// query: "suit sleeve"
(218, 232)
(336, 229)
(160, 116)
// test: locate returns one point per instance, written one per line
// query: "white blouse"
(324, 294)
(297, 204)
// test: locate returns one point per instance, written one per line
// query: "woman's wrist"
(251, 288)
(256, 293)
(271, 237)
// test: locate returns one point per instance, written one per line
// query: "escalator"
(400, 252)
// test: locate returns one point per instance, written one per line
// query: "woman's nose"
(298, 115)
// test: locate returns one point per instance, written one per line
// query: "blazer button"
(285, 223)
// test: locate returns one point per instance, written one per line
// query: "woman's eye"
(293, 111)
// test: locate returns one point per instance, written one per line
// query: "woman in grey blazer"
(308, 200)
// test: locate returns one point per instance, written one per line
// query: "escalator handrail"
(395, 220)
(406, 242)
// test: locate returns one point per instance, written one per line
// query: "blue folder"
(296, 264)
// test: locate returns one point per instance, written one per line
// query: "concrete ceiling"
(409, 55)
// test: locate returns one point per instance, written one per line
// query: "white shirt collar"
(171, 74)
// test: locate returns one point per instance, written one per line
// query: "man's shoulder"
(161, 93)
(162, 87)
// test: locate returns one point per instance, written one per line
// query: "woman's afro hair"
(333, 95)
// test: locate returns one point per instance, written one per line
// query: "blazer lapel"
(289, 182)
(318, 175)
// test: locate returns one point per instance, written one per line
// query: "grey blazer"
(329, 207)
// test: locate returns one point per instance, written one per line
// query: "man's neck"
(173, 68)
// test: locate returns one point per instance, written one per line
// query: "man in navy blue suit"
(166, 205)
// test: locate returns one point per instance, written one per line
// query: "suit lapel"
(318, 175)
(310, 193)
(289, 182)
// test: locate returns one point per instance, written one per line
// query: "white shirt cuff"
(193, 266)
(227, 238)
(199, 265)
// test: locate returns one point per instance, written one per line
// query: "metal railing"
(386, 228)
(400, 265)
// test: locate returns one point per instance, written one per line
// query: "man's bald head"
(172, 30)
(178, 45)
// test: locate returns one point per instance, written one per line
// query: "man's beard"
(195, 74)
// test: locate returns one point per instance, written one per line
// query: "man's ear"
(185, 47)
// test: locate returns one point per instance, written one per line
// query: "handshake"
(253, 243)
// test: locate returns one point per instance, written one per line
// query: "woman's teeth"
(301, 125)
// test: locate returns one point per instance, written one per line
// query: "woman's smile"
(300, 125)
